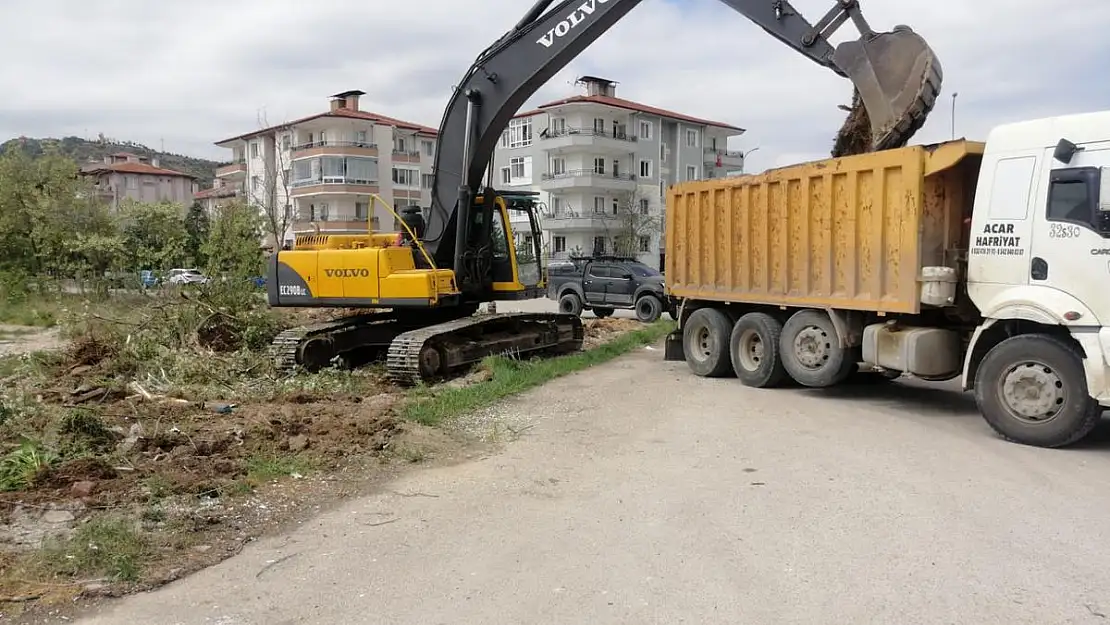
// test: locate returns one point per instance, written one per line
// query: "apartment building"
(124, 175)
(321, 172)
(222, 191)
(602, 164)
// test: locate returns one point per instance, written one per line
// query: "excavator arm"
(895, 75)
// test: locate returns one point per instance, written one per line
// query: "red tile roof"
(215, 192)
(135, 168)
(629, 105)
(348, 113)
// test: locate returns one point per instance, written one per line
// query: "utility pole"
(954, 94)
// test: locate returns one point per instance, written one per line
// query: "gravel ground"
(637, 493)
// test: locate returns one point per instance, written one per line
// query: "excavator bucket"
(897, 78)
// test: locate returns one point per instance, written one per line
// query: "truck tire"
(649, 309)
(602, 313)
(1032, 390)
(570, 304)
(754, 350)
(705, 339)
(811, 351)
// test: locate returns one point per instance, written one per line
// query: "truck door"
(622, 284)
(594, 283)
(1071, 238)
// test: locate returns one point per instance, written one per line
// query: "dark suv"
(604, 283)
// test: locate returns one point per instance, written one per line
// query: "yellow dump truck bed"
(849, 233)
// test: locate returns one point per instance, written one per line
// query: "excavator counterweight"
(897, 78)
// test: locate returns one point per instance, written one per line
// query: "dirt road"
(651, 496)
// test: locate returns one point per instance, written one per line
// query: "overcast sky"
(186, 74)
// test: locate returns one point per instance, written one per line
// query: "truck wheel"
(754, 350)
(649, 309)
(811, 352)
(570, 304)
(602, 313)
(705, 340)
(1032, 390)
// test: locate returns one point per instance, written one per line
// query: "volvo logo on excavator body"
(347, 273)
(574, 18)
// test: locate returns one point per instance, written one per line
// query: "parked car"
(186, 276)
(603, 284)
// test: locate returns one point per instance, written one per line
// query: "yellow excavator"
(414, 294)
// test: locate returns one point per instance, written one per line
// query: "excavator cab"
(514, 258)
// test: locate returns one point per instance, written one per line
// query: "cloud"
(189, 74)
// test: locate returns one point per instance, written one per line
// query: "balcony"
(566, 220)
(587, 179)
(729, 159)
(406, 156)
(564, 140)
(346, 225)
(234, 170)
(333, 184)
(334, 148)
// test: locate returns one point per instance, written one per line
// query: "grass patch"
(267, 467)
(511, 377)
(103, 547)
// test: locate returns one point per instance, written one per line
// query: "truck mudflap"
(672, 346)
(1098, 368)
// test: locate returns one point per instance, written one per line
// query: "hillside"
(83, 151)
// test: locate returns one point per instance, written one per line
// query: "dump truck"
(984, 261)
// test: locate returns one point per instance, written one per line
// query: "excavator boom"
(895, 74)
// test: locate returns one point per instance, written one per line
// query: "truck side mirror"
(1104, 191)
(1064, 151)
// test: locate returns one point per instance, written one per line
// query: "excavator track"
(314, 347)
(437, 351)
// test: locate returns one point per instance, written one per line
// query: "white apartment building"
(322, 171)
(602, 165)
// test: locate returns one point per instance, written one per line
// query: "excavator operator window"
(499, 240)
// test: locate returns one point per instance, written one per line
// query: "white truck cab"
(1039, 272)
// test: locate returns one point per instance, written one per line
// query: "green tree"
(153, 235)
(196, 233)
(233, 248)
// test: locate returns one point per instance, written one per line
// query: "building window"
(362, 209)
(645, 244)
(324, 211)
(323, 137)
(254, 149)
(428, 147)
(645, 129)
(256, 184)
(645, 168)
(599, 166)
(360, 138)
(556, 204)
(599, 126)
(662, 192)
(691, 172)
(426, 181)
(288, 212)
(285, 141)
(599, 205)
(599, 246)
(644, 206)
(518, 134)
(616, 205)
(558, 166)
(404, 177)
(691, 137)
(559, 243)
(286, 176)
(506, 175)
(516, 166)
(558, 126)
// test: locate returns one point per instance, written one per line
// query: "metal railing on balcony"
(554, 133)
(334, 144)
(578, 173)
(311, 182)
(406, 152)
(724, 153)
